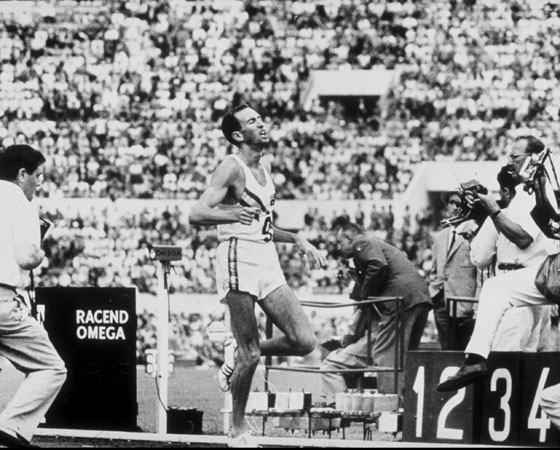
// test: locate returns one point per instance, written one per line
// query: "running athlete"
(239, 200)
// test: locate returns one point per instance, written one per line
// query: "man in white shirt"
(22, 340)
(511, 289)
(523, 328)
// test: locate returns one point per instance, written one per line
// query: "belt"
(508, 266)
(4, 296)
(7, 286)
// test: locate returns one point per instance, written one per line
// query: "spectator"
(453, 275)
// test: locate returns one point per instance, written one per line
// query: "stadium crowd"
(124, 99)
(110, 248)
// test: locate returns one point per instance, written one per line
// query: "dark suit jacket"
(383, 270)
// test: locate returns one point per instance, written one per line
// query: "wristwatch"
(495, 214)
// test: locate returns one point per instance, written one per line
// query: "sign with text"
(94, 331)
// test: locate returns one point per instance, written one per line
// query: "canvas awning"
(349, 83)
(373, 82)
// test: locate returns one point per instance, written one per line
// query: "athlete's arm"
(305, 248)
(208, 210)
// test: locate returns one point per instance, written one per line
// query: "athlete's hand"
(246, 214)
(308, 251)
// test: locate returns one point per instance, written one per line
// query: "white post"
(162, 350)
(228, 408)
(228, 402)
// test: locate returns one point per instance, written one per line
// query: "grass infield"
(190, 387)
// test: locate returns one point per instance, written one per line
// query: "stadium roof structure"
(11, 7)
(447, 175)
(349, 83)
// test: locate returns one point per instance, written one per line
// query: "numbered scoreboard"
(501, 410)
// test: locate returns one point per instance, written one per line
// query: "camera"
(476, 213)
(531, 167)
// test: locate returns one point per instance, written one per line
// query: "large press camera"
(533, 167)
(476, 213)
(536, 175)
(535, 172)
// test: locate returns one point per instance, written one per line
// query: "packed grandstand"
(124, 98)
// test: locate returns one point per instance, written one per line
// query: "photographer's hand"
(470, 199)
(488, 202)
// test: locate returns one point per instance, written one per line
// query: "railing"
(399, 347)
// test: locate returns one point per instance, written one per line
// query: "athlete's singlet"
(257, 195)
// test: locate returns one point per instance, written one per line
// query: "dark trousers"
(384, 340)
(463, 326)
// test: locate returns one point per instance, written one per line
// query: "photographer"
(527, 249)
(22, 340)
(521, 329)
(381, 270)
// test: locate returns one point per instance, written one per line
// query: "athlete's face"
(252, 131)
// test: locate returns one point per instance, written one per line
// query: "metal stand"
(162, 355)
(164, 254)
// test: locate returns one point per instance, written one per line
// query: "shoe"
(226, 371)
(243, 440)
(7, 440)
(467, 374)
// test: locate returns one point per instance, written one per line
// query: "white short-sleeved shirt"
(489, 242)
(19, 223)
(519, 211)
(483, 246)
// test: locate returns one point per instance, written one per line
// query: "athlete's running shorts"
(248, 266)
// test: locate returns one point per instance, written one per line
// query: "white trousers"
(550, 403)
(26, 345)
(525, 329)
(499, 294)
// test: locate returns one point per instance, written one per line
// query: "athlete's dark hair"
(231, 124)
